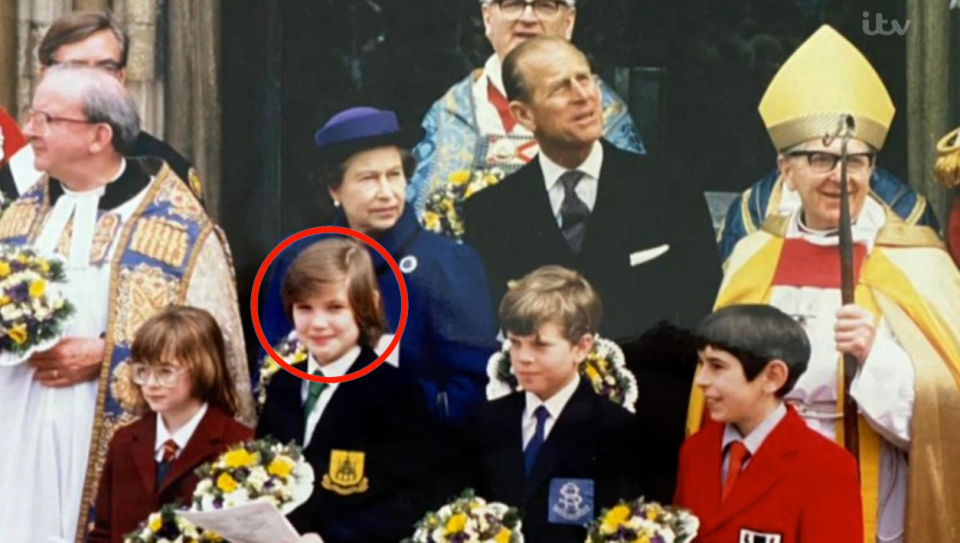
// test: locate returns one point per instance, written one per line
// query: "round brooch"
(408, 263)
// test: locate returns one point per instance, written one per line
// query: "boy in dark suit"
(556, 450)
(363, 437)
(757, 473)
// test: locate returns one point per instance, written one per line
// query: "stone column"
(192, 80)
(34, 17)
(8, 56)
(139, 17)
(932, 97)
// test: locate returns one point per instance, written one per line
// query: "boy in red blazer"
(178, 365)
(756, 473)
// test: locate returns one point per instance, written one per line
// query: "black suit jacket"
(380, 414)
(590, 440)
(639, 206)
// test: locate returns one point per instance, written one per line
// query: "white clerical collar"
(555, 403)
(182, 436)
(590, 167)
(872, 218)
(754, 439)
(493, 69)
(337, 368)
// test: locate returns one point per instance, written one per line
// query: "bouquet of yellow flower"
(604, 368)
(469, 519)
(166, 526)
(640, 521)
(292, 351)
(444, 206)
(259, 469)
(32, 309)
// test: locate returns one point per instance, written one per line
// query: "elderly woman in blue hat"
(450, 332)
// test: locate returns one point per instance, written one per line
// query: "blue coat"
(450, 331)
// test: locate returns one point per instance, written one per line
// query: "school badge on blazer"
(345, 475)
(748, 536)
(571, 501)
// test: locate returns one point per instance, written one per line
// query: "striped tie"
(170, 449)
(573, 211)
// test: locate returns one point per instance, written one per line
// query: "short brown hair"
(336, 260)
(191, 337)
(78, 26)
(551, 294)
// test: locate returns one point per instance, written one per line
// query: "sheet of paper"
(255, 522)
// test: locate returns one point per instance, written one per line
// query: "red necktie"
(170, 449)
(500, 102)
(738, 454)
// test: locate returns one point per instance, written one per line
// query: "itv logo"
(880, 26)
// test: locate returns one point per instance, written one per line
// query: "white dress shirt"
(586, 188)
(554, 406)
(181, 437)
(752, 441)
(337, 368)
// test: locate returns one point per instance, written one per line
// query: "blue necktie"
(536, 443)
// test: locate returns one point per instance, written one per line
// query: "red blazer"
(127, 492)
(799, 485)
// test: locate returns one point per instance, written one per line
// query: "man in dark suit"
(643, 241)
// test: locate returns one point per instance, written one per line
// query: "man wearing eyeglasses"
(134, 240)
(94, 39)
(903, 328)
(470, 131)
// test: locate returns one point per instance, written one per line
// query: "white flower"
(204, 487)
(239, 496)
(11, 312)
(258, 476)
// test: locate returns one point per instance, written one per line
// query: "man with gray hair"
(134, 240)
(92, 38)
(471, 133)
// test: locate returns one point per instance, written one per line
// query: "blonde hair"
(332, 261)
(190, 337)
(551, 294)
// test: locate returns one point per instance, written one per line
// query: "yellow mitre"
(825, 79)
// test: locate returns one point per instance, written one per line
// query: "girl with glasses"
(186, 394)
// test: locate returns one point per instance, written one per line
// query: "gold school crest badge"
(345, 475)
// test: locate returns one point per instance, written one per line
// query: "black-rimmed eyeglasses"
(543, 9)
(823, 162)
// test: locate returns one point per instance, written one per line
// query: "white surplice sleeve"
(884, 389)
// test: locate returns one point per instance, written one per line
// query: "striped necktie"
(573, 211)
(169, 454)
